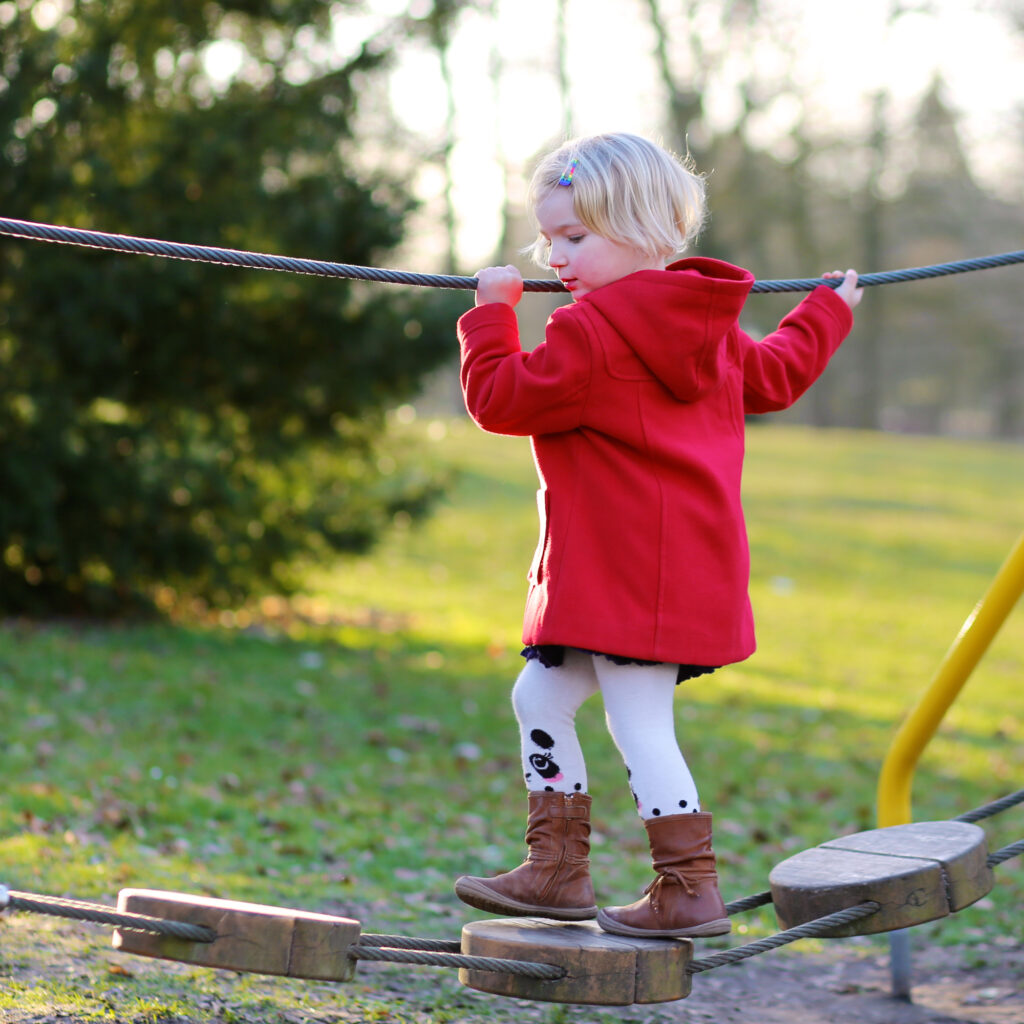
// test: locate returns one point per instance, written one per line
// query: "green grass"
(355, 751)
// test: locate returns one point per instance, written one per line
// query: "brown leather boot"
(554, 880)
(684, 898)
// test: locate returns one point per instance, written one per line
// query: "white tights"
(638, 711)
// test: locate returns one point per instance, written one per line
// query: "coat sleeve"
(508, 391)
(778, 369)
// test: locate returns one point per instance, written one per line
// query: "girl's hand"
(499, 284)
(848, 290)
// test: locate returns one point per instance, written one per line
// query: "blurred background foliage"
(181, 432)
(174, 424)
(805, 177)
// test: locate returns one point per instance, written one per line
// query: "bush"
(179, 423)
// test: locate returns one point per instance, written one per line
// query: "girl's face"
(583, 259)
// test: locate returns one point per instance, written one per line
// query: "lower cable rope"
(810, 930)
(324, 268)
(1006, 853)
(522, 968)
(992, 809)
(98, 913)
(409, 942)
(759, 899)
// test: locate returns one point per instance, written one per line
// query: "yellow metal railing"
(896, 777)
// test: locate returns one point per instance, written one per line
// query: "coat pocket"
(536, 573)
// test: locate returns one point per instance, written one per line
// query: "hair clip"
(570, 170)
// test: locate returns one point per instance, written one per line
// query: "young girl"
(635, 403)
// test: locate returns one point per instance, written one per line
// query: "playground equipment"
(885, 880)
(917, 730)
(862, 884)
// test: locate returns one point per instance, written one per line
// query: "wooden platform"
(917, 872)
(603, 969)
(250, 937)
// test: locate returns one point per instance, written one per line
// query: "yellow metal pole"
(977, 633)
(896, 777)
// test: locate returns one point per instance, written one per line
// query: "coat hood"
(676, 321)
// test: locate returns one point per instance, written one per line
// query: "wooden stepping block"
(917, 872)
(250, 937)
(603, 969)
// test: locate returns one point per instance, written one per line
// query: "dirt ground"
(985, 987)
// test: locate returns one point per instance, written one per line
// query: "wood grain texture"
(250, 936)
(917, 872)
(603, 969)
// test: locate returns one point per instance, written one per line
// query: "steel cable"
(812, 929)
(992, 809)
(409, 942)
(97, 913)
(325, 268)
(759, 899)
(1013, 850)
(522, 968)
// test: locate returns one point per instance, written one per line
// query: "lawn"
(353, 750)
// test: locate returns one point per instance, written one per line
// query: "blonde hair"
(628, 190)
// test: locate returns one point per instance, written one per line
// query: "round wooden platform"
(917, 873)
(603, 969)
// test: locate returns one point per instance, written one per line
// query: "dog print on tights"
(542, 760)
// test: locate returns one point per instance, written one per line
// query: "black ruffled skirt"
(552, 655)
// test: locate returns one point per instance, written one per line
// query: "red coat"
(635, 403)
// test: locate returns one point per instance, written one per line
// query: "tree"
(180, 424)
(961, 347)
(791, 196)
(440, 24)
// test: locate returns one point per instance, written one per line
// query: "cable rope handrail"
(324, 268)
